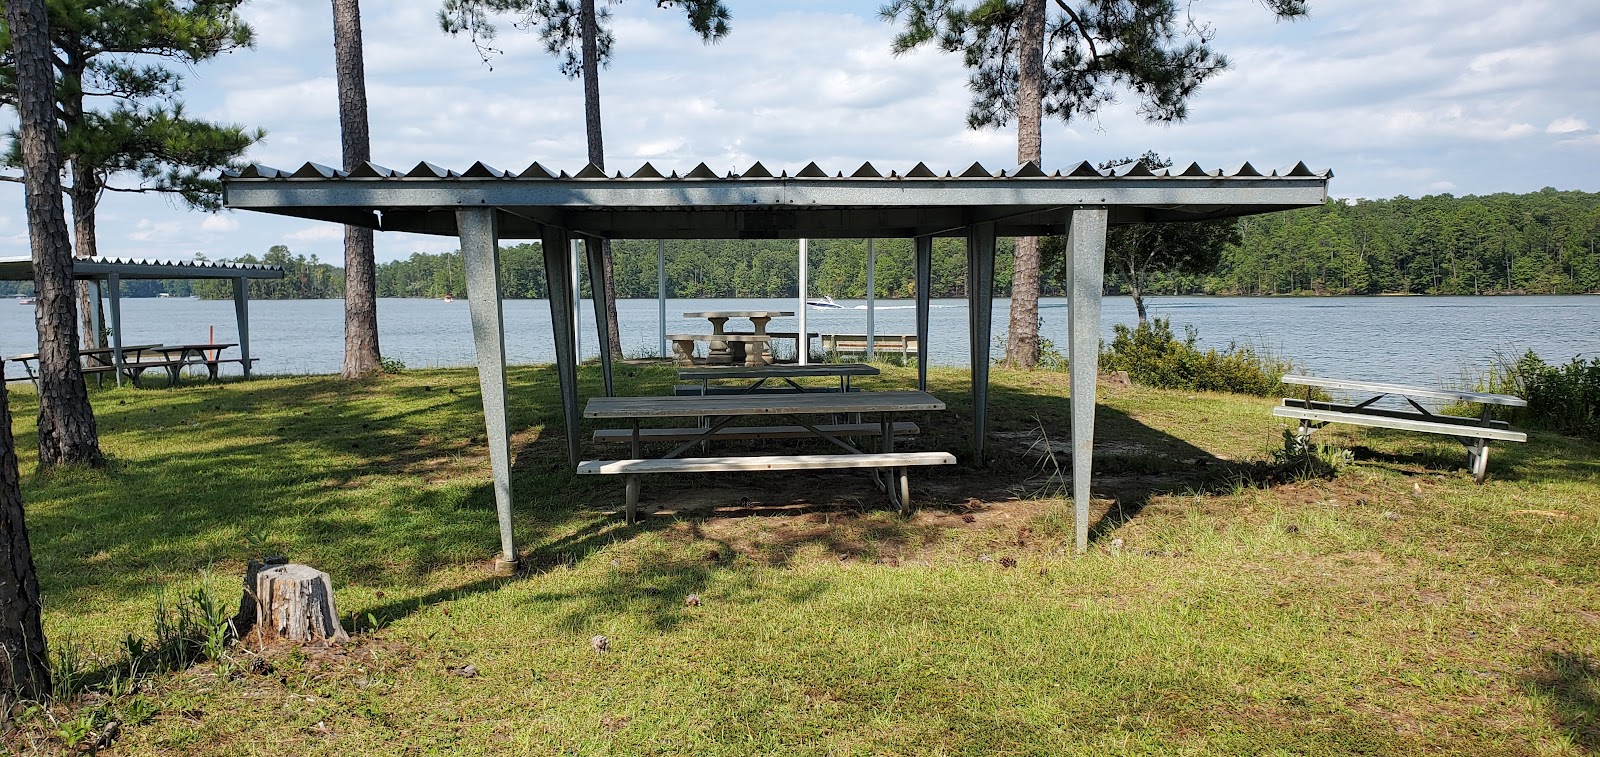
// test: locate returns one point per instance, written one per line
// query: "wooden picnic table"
(1313, 414)
(194, 354)
(724, 409)
(723, 351)
(92, 360)
(764, 373)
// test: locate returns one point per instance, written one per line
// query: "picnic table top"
(1406, 390)
(197, 346)
(777, 371)
(741, 314)
(760, 404)
(93, 351)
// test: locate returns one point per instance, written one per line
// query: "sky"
(1397, 98)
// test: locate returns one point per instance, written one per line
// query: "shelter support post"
(661, 293)
(980, 315)
(241, 320)
(98, 292)
(924, 265)
(577, 301)
(554, 243)
(1086, 271)
(597, 294)
(872, 295)
(480, 252)
(114, 285)
(804, 340)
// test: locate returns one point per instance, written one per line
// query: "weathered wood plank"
(765, 463)
(1404, 424)
(623, 435)
(761, 404)
(1405, 390)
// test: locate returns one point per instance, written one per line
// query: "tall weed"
(1561, 398)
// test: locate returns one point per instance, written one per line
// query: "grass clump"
(1154, 357)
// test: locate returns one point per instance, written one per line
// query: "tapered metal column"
(924, 264)
(872, 294)
(980, 315)
(94, 310)
(804, 340)
(577, 303)
(241, 319)
(602, 325)
(1086, 272)
(554, 246)
(114, 284)
(661, 293)
(480, 254)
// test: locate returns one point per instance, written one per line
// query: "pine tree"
(577, 32)
(1028, 62)
(118, 107)
(361, 355)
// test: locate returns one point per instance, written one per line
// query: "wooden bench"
(728, 407)
(1313, 414)
(905, 345)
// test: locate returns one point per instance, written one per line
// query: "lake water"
(1411, 339)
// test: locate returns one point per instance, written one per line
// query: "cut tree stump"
(295, 602)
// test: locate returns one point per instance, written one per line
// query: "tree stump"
(295, 602)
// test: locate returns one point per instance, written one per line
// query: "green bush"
(1564, 399)
(1154, 357)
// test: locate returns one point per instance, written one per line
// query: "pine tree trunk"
(66, 421)
(361, 355)
(85, 194)
(597, 156)
(1022, 346)
(24, 664)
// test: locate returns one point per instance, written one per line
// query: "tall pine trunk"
(361, 355)
(24, 664)
(1022, 346)
(67, 431)
(597, 155)
(85, 194)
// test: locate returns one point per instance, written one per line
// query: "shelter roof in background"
(21, 269)
(756, 204)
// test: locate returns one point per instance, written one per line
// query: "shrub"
(1564, 399)
(1154, 357)
(391, 365)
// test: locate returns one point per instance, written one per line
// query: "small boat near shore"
(25, 300)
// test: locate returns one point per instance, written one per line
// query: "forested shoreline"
(1537, 243)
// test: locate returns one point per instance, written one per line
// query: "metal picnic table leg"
(631, 480)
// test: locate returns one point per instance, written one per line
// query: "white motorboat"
(825, 303)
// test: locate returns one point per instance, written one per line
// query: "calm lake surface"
(1411, 339)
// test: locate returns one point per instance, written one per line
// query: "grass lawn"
(1225, 606)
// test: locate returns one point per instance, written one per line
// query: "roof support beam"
(1086, 272)
(114, 284)
(241, 320)
(923, 254)
(480, 254)
(557, 271)
(593, 249)
(980, 317)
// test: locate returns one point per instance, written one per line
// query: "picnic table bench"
(764, 373)
(726, 408)
(1474, 433)
(138, 358)
(91, 361)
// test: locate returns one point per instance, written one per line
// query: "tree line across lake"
(1545, 242)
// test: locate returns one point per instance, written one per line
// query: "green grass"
(1224, 605)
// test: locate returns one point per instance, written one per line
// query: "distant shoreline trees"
(1545, 242)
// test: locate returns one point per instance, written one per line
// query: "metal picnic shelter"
(105, 276)
(483, 205)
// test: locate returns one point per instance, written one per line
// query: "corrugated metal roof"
(702, 203)
(648, 172)
(21, 269)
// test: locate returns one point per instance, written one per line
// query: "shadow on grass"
(1570, 681)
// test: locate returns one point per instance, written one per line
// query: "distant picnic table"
(1314, 414)
(135, 359)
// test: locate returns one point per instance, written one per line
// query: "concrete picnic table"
(722, 351)
(726, 408)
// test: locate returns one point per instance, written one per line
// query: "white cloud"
(147, 230)
(317, 233)
(219, 222)
(1566, 125)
